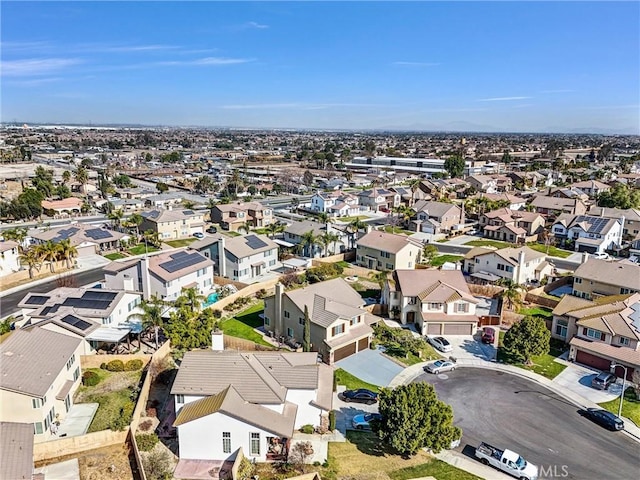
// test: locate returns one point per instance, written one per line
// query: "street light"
(612, 369)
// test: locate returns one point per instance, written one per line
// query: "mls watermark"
(553, 471)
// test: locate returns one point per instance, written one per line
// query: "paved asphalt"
(511, 412)
(8, 303)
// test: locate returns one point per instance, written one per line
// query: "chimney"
(369, 228)
(602, 211)
(146, 279)
(277, 307)
(585, 257)
(217, 341)
(127, 283)
(222, 258)
(521, 257)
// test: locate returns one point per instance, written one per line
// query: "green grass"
(630, 406)
(488, 243)
(343, 264)
(140, 249)
(114, 256)
(397, 230)
(553, 251)
(182, 242)
(232, 234)
(236, 328)
(435, 468)
(351, 219)
(345, 378)
(544, 365)
(537, 312)
(261, 231)
(250, 315)
(442, 259)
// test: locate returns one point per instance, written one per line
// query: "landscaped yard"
(544, 365)
(182, 242)
(142, 248)
(243, 324)
(250, 316)
(114, 256)
(442, 259)
(630, 406)
(553, 251)
(488, 243)
(232, 234)
(351, 219)
(116, 393)
(537, 312)
(345, 378)
(397, 230)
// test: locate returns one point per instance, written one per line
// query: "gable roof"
(176, 264)
(162, 216)
(512, 254)
(588, 223)
(438, 286)
(241, 247)
(435, 209)
(16, 445)
(611, 273)
(78, 233)
(386, 242)
(30, 360)
(86, 302)
(300, 228)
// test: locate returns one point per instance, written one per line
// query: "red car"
(488, 335)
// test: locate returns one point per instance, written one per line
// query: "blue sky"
(513, 66)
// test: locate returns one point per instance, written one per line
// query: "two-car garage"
(443, 328)
(350, 349)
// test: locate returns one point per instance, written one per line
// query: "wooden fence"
(241, 344)
(227, 281)
(62, 447)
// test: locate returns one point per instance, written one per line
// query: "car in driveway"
(488, 335)
(441, 344)
(603, 418)
(600, 255)
(603, 381)
(198, 235)
(363, 421)
(440, 366)
(361, 395)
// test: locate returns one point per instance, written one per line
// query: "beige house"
(379, 199)
(173, 224)
(436, 217)
(71, 205)
(233, 215)
(379, 250)
(554, 206)
(512, 226)
(600, 332)
(436, 302)
(339, 325)
(88, 239)
(521, 265)
(597, 278)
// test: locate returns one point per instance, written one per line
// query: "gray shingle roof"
(16, 448)
(610, 273)
(385, 242)
(240, 247)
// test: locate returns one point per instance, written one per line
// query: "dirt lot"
(108, 463)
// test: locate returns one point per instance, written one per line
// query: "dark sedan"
(603, 418)
(362, 395)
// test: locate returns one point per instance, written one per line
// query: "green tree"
(191, 299)
(511, 292)
(43, 181)
(17, 234)
(309, 242)
(116, 218)
(31, 259)
(62, 191)
(274, 228)
(82, 177)
(66, 176)
(150, 315)
(454, 166)
(429, 253)
(162, 187)
(246, 227)
(122, 181)
(379, 277)
(527, 338)
(188, 331)
(307, 178)
(414, 418)
(620, 196)
(324, 217)
(354, 227)
(67, 251)
(306, 334)
(48, 252)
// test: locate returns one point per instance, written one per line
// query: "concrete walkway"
(67, 470)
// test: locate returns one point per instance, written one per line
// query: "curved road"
(512, 412)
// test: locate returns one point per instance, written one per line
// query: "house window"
(337, 330)
(267, 322)
(435, 306)
(354, 320)
(290, 332)
(509, 268)
(38, 402)
(412, 300)
(501, 267)
(301, 320)
(226, 442)
(286, 314)
(179, 398)
(623, 341)
(477, 260)
(625, 290)
(38, 428)
(461, 307)
(577, 280)
(389, 266)
(255, 444)
(597, 334)
(71, 361)
(561, 328)
(76, 374)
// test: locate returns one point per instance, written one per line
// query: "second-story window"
(597, 334)
(623, 341)
(337, 330)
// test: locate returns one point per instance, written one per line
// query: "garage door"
(363, 344)
(593, 361)
(343, 352)
(458, 329)
(433, 329)
(86, 250)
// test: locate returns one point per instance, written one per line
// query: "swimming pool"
(211, 299)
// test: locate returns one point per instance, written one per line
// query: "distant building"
(173, 224)
(233, 215)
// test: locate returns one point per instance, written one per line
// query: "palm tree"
(151, 315)
(379, 277)
(414, 185)
(309, 241)
(116, 218)
(135, 220)
(191, 299)
(328, 238)
(82, 177)
(152, 237)
(246, 226)
(511, 292)
(48, 252)
(67, 251)
(66, 176)
(17, 234)
(31, 259)
(354, 227)
(274, 228)
(324, 217)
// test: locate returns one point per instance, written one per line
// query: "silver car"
(440, 366)
(441, 344)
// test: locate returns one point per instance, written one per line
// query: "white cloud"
(502, 99)
(35, 66)
(416, 64)
(35, 82)
(257, 25)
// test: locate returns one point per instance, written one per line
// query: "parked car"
(488, 335)
(441, 344)
(198, 235)
(508, 461)
(361, 395)
(212, 230)
(600, 255)
(440, 366)
(363, 421)
(603, 418)
(603, 380)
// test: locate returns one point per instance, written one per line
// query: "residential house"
(379, 250)
(587, 233)
(231, 403)
(164, 275)
(233, 215)
(514, 226)
(596, 278)
(379, 199)
(9, 258)
(247, 258)
(436, 217)
(88, 239)
(601, 332)
(97, 316)
(554, 206)
(340, 326)
(210, 247)
(512, 202)
(173, 224)
(592, 187)
(66, 206)
(167, 200)
(489, 183)
(568, 192)
(39, 375)
(16, 445)
(127, 205)
(631, 226)
(522, 265)
(435, 302)
(337, 203)
(295, 231)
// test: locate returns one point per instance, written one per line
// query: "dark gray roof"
(300, 228)
(30, 360)
(16, 448)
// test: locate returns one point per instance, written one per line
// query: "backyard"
(243, 324)
(488, 243)
(182, 242)
(397, 230)
(442, 259)
(142, 248)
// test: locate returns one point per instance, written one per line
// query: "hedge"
(146, 441)
(115, 366)
(133, 365)
(90, 379)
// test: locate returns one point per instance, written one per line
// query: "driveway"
(346, 411)
(577, 378)
(470, 347)
(371, 366)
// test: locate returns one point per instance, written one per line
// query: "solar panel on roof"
(188, 212)
(183, 261)
(254, 242)
(65, 234)
(104, 296)
(98, 233)
(36, 300)
(76, 322)
(87, 304)
(178, 255)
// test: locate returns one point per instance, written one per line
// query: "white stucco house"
(247, 258)
(521, 265)
(9, 258)
(588, 233)
(337, 203)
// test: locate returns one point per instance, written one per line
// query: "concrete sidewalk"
(471, 465)
(414, 371)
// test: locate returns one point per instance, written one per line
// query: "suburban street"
(511, 412)
(8, 303)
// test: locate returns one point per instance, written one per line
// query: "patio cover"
(295, 263)
(108, 334)
(486, 276)
(283, 243)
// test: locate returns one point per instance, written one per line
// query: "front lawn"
(141, 248)
(351, 219)
(352, 383)
(553, 251)
(442, 259)
(630, 406)
(544, 365)
(487, 243)
(114, 256)
(182, 242)
(232, 234)
(250, 316)
(397, 230)
(537, 312)
(436, 469)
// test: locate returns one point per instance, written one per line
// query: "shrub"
(260, 294)
(246, 469)
(217, 313)
(332, 420)
(90, 378)
(323, 272)
(124, 418)
(157, 465)
(146, 442)
(145, 426)
(307, 429)
(115, 366)
(133, 365)
(103, 366)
